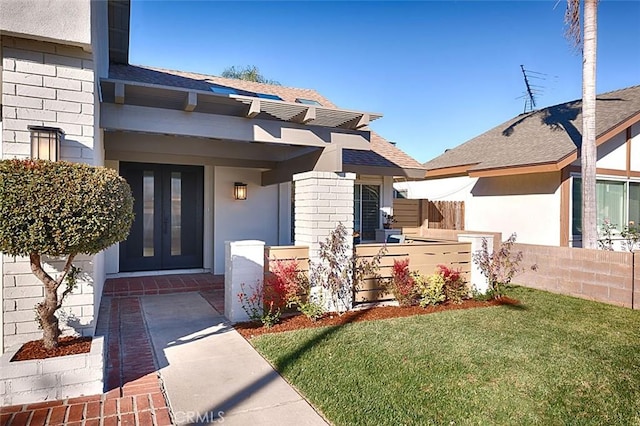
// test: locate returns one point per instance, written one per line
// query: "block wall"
(606, 276)
(46, 84)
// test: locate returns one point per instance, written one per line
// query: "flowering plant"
(402, 283)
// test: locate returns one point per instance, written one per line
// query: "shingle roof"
(382, 154)
(539, 137)
(195, 81)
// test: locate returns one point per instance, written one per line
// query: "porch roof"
(146, 86)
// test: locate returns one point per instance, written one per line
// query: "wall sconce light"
(45, 142)
(240, 191)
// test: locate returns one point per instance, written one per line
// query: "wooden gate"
(439, 214)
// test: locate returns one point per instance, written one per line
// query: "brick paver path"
(134, 393)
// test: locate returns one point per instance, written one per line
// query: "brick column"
(322, 200)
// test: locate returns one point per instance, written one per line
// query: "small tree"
(500, 266)
(60, 209)
(339, 271)
(247, 73)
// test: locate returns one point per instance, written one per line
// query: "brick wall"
(605, 276)
(51, 85)
(322, 199)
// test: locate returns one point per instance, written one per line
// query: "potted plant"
(389, 220)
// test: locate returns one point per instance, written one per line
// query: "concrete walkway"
(211, 374)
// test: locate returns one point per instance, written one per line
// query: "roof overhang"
(472, 170)
(396, 172)
(525, 169)
(190, 100)
(452, 171)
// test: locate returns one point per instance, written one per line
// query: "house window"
(634, 203)
(366, 211)
(616, 201)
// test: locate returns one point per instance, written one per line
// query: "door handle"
(165, 225)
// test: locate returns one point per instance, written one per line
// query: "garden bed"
(295, 322)
(69, 345)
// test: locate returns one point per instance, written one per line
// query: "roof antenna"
(532, 90)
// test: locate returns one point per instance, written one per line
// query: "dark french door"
(167, 229)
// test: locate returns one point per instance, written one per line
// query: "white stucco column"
(478, 280)
(244, 264)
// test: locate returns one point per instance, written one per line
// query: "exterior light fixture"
(45, 142)
(240, 191)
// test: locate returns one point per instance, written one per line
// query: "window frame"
(577, 238)
(357, 215)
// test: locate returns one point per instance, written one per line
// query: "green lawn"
(554, 360)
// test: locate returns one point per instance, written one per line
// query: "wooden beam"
(284, 170)
(306, 116)
(134, 118)
(191, 101)
(119, 93)
(328, 159)
(254, 108)
(362, 122)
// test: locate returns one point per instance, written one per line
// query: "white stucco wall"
(613, 153)
(255, 218)
(63, 21)
(527, 204)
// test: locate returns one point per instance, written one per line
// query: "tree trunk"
(47, 308)
(588, 148)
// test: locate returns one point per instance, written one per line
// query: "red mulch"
(66, 346)
(252, 329)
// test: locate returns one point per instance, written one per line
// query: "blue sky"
(440, 72)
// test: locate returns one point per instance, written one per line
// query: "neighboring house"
(524, 175)
(185, 142)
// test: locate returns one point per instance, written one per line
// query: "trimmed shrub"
(431, 290)
(60, 209)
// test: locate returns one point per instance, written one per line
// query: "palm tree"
(588, 151)
(248, 73)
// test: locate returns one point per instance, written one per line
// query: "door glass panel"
(148, 198)
(176, 214)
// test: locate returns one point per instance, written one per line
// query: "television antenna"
(532, 91)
